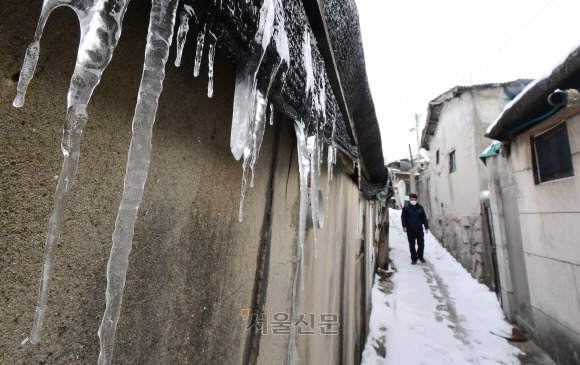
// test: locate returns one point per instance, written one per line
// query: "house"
(533, 182)
(456, 180)
(399, 172)
(160, 171)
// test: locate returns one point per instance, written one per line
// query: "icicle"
(258, 130)
(271, 114)
(184, 16)
(159, 36)
(100, 26)
(249, 116)
(245, 91)
(28, 68)
(251, 151)
(329, 164)
(312, 149)
(307, 54)
(75, 120)
(32, 52)
(304, 169)
(322, 111)
(210, 60)
(199, 50)
(359, 173)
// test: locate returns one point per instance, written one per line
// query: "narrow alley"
(436, 313)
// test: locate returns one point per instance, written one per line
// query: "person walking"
(414, 219)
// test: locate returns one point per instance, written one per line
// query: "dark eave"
(532, 102)
(335, 24)
(337, 47)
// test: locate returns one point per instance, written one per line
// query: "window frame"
(563, 147)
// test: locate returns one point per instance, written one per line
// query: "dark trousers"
(416, 235)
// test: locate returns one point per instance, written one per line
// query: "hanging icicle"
(162, 20)
(304, 169)
(199, 50)
(249, 115)
(210, 61)
(100, 26)
(184, 15)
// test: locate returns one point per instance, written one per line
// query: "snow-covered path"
(436, 313)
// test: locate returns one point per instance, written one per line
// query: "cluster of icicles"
(100, 25)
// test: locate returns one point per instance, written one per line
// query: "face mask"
(413, 202)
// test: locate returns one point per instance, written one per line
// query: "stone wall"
(463, 238)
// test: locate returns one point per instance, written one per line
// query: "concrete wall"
(193, 267)
(507, 233)
(549, 214)
(455, 198)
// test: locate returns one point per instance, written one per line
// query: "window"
(437, 157)
(452, 166)
(551, 156)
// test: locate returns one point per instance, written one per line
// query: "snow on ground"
(436, 313)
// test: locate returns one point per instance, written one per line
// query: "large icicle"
(75, 120)
(312, 148)
(245, 90)
(304, 168)
(250, 104)
(162, 20)
(100, 26)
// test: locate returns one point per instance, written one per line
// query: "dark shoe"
(414, 262)
(422, 260)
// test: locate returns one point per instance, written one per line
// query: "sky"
(416, 50)
(437, 313)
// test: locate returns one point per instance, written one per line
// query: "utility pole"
(417, 116)
(416, 129)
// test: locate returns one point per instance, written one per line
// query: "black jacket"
(413, 217)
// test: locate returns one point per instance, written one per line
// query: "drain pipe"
(557, 99)
(569, 97)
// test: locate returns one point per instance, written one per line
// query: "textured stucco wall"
(193, 266)
(503, 197)
(548, 215)
(455, 198)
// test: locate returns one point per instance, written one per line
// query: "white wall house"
(456, 178)
(535, 204)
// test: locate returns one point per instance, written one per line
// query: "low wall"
(463, 238)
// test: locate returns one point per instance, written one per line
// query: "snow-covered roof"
(532, 102)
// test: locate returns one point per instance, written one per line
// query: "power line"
(514, 34)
